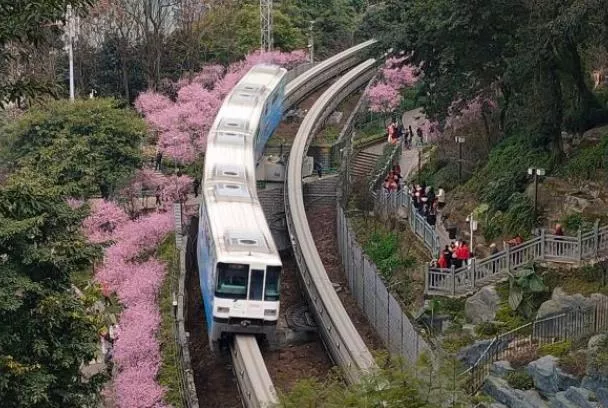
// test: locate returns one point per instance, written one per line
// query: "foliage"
(523, 286)
(487, 329)
(45, 331)
(384, 251)
(183, 125)
(168, 375)
(391, 385)
(87, 147)
(520, 379)
(558, 349)
(455, 339)
(574, 363)
(584, 165)
(519, 218)
(598, 361)
(129, 271)
(384, 96)
(454, 307)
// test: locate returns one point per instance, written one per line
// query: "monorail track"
(255, 383)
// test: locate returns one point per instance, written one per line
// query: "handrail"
(341, 337)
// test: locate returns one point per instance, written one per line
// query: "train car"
(239, 265)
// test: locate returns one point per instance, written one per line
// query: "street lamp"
(460, 141)
(536, 172)
(473, 227)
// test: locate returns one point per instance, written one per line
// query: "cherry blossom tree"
(383, 98)
(183, 124)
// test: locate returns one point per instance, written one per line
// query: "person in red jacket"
(462, 253)
(442, 262)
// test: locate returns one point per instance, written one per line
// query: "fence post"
(596, 238)
(473, 272)
(580, 245)
(453, 272)
(542, 244)
(427, 272)
(508, 255)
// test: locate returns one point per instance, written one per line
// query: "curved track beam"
(256, 386)
(341, 337)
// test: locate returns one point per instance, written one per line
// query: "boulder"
(602, 397)
(560, 401)
(548, 378)
(482, 306)
(498, 405)
(499, 389)
(595, 341)
(500, 368)
(560, 303)
(580, 397)
(470, 354)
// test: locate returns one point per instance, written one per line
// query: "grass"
(168, 375)
(328, 136)
(585, 280)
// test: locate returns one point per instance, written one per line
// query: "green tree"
(28, 22)
(88, 147)
(45, 331)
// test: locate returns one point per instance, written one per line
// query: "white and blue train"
(239, 265)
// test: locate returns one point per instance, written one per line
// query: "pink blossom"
(74, 203)
(143, 283)
(136, 387)
(105, 217)
(151, 102)
(383, 98)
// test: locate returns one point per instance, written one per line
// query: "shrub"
(520, 379)
(519, 218)
(486, 329)
(574, 363)
(558, 349)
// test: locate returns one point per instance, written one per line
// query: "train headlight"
(270, 312)
(221, 309)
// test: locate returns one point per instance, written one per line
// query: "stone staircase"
(363, 164)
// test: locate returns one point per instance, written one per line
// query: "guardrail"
(341, 337)
(257, 390)
(480, 272)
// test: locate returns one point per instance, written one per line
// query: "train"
(238, 263)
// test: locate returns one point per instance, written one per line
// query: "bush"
(574, 363)
(520, 379)
(586, 162)
(558, 349)
(486, 329)
(519, 218)
(383, 250)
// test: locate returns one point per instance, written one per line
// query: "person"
(158, 159)
(319, 169)
(463, 254)
(442, 261)
(419, 133)
(195, 185)
(493, 249)
(447, 255)
(559, 232)
(157, 194)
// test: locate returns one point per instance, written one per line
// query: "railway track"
(344, 343)
(255, 384)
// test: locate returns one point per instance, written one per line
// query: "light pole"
(536, 172)
(70, 34)
(473, 227)
(311, 41)
(460, 141)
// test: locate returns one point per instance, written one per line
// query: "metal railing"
(586, 246)
(383, 311)
(185, 374)
(340, 336)
(525, 340)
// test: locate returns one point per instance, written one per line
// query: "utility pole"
(536, 172)
(265, 25)
(70, 36)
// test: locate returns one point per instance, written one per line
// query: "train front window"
(232, 280)
(273, 274)
(256, 286)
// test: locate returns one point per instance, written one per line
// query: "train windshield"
(232, 280)
(273, 274)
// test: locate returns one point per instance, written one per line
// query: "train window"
(232, 280)
(248, 242)
(273, 275)
(256, 285)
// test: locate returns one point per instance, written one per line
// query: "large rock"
(561, 303)
(470, 354)
(602, 397)
(482, 306)
(580, 397)
(595, 341)
(548, 378)
(500, 368)
(499, 389)
(560, 401)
